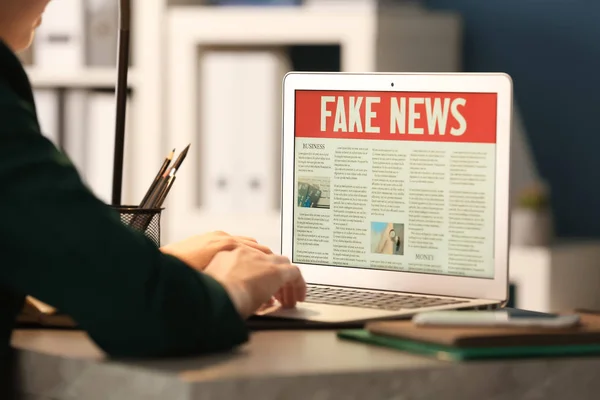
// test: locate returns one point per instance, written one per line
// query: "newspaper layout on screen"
(395, 181)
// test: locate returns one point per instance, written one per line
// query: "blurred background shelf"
(93, 77)
(369, 36)
(75, 87)
(271, 24)
(224, 72)
(244, 25)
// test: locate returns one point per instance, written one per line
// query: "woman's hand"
(198, 251)
(253, 278)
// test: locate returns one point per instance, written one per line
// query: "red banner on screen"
(436, 117)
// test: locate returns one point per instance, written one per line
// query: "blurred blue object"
(551, 48)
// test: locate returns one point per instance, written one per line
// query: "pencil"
(164, 193)
(143, 220)
(156, 194)
(160, 188)
(157, 178)
(157, 198)
(177, 163)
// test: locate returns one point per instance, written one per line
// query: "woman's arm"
(62, 245)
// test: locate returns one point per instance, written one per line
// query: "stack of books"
(477, 343)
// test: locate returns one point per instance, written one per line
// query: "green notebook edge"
(449, 353)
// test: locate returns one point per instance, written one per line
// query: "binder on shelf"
(218, 124)
(101, 35)
(76, 128)
(240, 136)
(48, 111)
(262, 73)
(100, 143)
(59, 41)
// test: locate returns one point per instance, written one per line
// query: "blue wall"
(552, 51)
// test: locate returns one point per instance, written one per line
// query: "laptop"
(396, 192)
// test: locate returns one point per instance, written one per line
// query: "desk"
(303, 365)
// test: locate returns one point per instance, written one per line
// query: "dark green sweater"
(63, 246)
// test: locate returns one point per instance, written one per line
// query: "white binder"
(240, 129)
(101, 34)
(76, 128)
(99, 147)
(47, 106)
(93, 145)
(218, 125)
(261, 72)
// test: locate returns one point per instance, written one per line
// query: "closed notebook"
(452, 353)
(586, 332)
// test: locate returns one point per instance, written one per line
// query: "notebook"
(481, 343)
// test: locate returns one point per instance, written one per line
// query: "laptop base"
(340, 314)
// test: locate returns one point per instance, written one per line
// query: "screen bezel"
(495, 288)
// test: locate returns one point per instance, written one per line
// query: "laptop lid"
(398, 181)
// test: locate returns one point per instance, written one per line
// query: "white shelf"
(268, 25)
(78, 78)
(288, 24)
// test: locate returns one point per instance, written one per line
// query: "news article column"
(396, 181)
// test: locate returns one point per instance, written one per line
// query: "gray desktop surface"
(303, 365)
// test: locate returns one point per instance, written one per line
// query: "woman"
(63, 246)
(388, 240)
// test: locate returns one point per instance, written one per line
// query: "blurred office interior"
(209, 73)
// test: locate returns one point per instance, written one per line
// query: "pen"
(157, 178)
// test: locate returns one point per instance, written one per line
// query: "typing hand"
(252, 278)
(198, 251)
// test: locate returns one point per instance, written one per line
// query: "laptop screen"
(399, 181)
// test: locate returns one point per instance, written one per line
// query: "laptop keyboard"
(378, 300)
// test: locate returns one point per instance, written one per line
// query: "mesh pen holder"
(145, 220)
